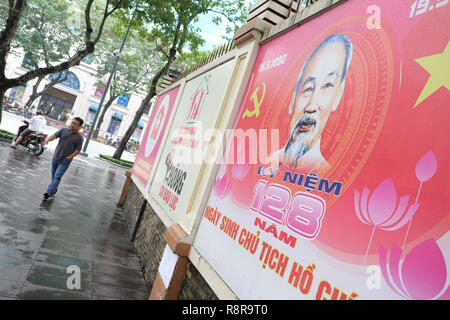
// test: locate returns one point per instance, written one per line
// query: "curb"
(5, 140)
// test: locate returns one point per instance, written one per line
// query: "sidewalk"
(81, 227)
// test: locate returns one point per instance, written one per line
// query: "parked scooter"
(129, 147)
(33, 141)
(7, 107)
(27, 114)
(109, 140)
(116, 143)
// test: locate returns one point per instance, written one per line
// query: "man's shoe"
(11, 146)
(48, 196)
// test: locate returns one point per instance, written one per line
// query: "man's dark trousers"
(59, 167)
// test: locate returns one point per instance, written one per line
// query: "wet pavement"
(80, 228)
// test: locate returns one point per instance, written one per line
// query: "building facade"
(78, 96)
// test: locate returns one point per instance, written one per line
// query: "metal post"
(138, 221)
(106, 89)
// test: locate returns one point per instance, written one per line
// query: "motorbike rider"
(36, 124)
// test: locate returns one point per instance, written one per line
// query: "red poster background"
(376, 132)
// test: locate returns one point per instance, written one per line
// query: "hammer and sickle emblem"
(256, 103)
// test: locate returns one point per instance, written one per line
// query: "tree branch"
(105, 16)
(6, 37)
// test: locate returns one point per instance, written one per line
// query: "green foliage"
(189, 59)
(137, 62)
(6, 135)
(173, 21)
(171, 27)
(124, 163)
(135, 142)
(45, 32)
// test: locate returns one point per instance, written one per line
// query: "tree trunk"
(119, 151)
(102, 116)
(2, 93)
(14, 13)
(10, 26)
(34, 95)
(177, 43)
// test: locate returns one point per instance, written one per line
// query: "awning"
(140, 124)
(117, 116)
(93, 107)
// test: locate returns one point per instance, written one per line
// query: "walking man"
(69, 145)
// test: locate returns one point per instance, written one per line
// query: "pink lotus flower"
(422, 275)
(221, 187)
(239, 171)
(381, 210)
(425, 169)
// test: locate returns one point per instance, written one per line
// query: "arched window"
(138, 131)
(71, 81)
(114, 125)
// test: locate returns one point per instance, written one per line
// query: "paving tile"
(51, 276)
(34, 292)
(125, 282)
(67, 248)
(114, 250)
(16, 258)
(118, 292)
(10, 288)
(117, 271)
(53, 281)
(13, 273)
(57, 270)
(11, 236)
(102, 239)
(100, 298)
(62, 260)
(130, 263)
(73, 237)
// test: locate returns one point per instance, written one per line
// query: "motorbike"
(28, 114)
(6, 106)
(33, 141)
(129, 147)
(116, 143)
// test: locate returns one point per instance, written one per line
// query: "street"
(80, 228)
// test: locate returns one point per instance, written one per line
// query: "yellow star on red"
(438, 66)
